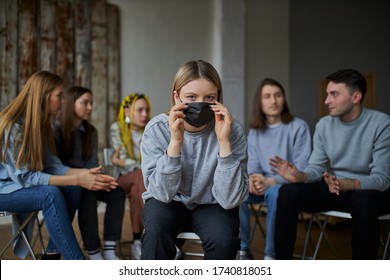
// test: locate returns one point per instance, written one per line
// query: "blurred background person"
(77, 144)
(126, 134)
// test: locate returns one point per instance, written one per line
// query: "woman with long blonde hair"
(32, 176)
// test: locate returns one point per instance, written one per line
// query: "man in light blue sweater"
(349, 169)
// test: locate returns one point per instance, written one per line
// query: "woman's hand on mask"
(223, 124)
(176, 127)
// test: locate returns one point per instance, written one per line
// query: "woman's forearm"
(64, 180)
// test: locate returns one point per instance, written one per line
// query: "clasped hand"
(333, 183)
(93, 179)
(258, 184)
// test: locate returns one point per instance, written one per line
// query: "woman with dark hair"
(194, 165)
(32, 177)
(273, 131)
(77, 143)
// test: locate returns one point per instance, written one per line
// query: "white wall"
(160, 35)
(267, 46)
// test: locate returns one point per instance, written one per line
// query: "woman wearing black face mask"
(194, 167)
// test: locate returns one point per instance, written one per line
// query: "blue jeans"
(270, 198)
(217, 228)
(113, 218)
(58, 205)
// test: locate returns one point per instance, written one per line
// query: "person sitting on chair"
(32, 176)
(273, 130)
(77, 144)
(194, 164)
(126, 133)
(348, 170)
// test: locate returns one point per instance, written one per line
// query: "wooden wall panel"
(82, 19)
(48, 36)
(76, 39)
(8, 51)
(113, 92)
(27, 41)
(65, 42)
(3, 27)
(99, 71)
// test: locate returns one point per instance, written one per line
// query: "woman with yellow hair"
(126, 133)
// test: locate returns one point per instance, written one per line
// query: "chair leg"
(38, 236)
(386, 246)
(257, 215)
(323, 234)
(20, 233)
(308, 236)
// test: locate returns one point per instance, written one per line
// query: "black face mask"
(198, 113)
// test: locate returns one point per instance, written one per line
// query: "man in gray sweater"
(348, 170)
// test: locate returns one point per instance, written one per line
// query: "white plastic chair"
(187, 235)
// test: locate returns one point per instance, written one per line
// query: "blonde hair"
(192, 70)
(31, 107)
(125, 129)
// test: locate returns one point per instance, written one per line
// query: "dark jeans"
(363, 205)
(113, 217)
(217, 228)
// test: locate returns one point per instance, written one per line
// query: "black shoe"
(53, 257)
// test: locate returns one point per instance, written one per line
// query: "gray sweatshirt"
(359, 149)
(199, 175)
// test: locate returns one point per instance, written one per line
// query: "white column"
(229, 53)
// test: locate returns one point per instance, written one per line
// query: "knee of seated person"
(76, 190)
(52, 193)
(287, 195)
(284, 190)
(118, 194)
(223, 242)
(272, 193)
(157, 227)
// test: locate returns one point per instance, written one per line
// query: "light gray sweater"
(359, 149)
(291, 142)
(199, 175)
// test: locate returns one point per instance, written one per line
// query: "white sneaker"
(110, 255)
(136, 249)
(96, 257)
(268, 258)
